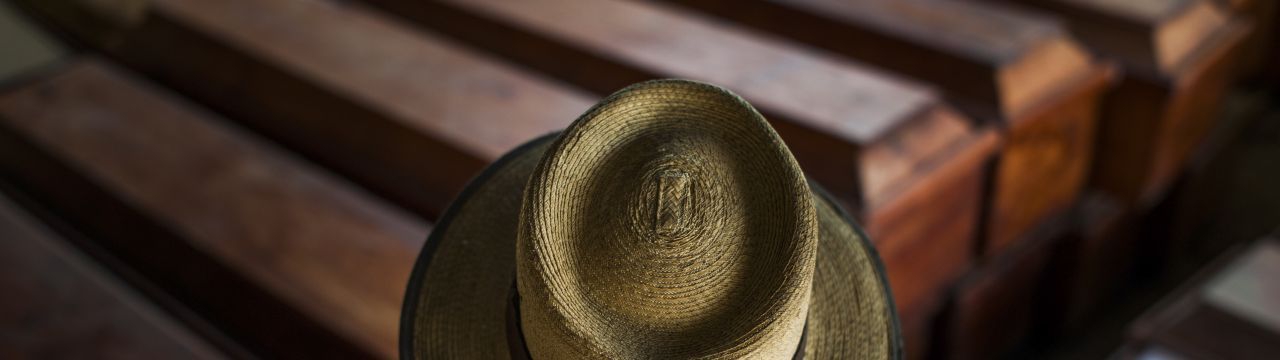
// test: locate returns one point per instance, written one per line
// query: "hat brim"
(457, 299)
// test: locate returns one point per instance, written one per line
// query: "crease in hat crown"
(668, 221)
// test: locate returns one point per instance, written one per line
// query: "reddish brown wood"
(917, 330)
(411, 115)
(1259, 47)
(994, 309)
(287, 258)
(1090, 262)
(1012, 68)
(1200, 322)
(908, 164)
(1044, 164)
(1178, 56)
(59, 304)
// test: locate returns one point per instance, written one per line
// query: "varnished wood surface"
(59, 304)
(994, 308)
(293, 260)
(1152, 124)
(1044, 162)
(1153, 36)
(404, 112)
(992, 60)
(1259, 50)
(1089, 262)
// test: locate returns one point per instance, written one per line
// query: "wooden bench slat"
(1179, 57)
(1158, 36)
(58, 303)
(995, 61)
(224, 221)
(406, 113)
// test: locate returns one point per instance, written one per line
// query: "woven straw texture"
(851, 315)
(455, 307)
(669, 220)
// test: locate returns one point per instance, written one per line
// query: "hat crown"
(669, 220)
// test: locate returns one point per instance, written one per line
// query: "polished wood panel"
(290, 260)
(59, 304)
(1015, 69)
(406, 113)
(909, 165)
(1179, 56)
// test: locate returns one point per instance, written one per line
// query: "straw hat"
(669, 221)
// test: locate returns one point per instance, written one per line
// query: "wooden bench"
(58, 303)
(408, 114)
(1178, 58)
(285, 257)
(995, 307)
(1020, 72)
(909, 165)
(1258, 55)
(1090, 264)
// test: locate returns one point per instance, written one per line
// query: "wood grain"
(412, 116)
(276, 252)
(59, 304)
(1178, 57)
(1044, 163)
(875, 141)
(1152, 124)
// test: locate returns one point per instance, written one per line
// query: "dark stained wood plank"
(1091, 261)
(1259, 47)
(1018, 70)
(1159, 36)
(995, 307)
(909, 165)
(406, 113)
(59, 304)
(998, 60)
(1179, 56)
(288, 259)
(1225, 311)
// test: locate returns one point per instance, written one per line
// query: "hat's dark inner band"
(515, 336)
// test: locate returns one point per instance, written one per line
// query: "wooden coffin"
(412, 116)
(908, 165)
(1178, 56)
(59, 304)
(1013, 69)
(284, 257)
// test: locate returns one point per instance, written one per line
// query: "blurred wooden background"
(254, 178)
